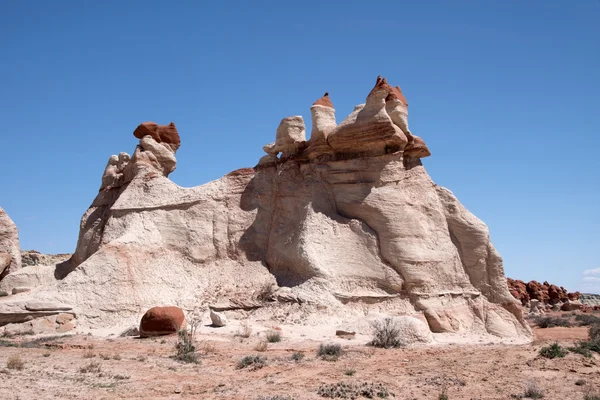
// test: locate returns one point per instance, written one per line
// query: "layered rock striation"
(345, 223)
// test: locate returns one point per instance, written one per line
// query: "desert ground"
(91, 367)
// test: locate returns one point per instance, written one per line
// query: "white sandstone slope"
(343, 225)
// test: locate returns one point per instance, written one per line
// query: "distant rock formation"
(34, 257)
(590, 299)
(543, 292)
(10, 252)
(345, 223)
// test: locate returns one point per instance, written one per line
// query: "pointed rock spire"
(380, 84)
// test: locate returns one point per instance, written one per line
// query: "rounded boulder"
(159, 321)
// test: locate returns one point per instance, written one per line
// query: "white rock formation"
(10, 252)
(349, 227)
(291, 135)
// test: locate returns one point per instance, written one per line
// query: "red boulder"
(162, 321)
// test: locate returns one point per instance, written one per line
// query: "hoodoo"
(338, 226)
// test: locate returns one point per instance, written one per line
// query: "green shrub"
(329, 352)
(297, 356)
(553, 351)
(587, 319)
(594, 333)
(585, 348)
(581, 348)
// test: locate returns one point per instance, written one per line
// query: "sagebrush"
(329, 352)
(386, 334)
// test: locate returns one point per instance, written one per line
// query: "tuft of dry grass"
(208, 347)
(533, 391)
(261, 346)
(15, 362)
(245, 329)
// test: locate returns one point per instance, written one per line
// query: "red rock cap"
(161, 133)
(324, 101)
(396, 94)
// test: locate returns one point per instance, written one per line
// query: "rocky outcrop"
(166, 134)
(590, 299)
(159, 321)
(290, 138)
(34, 257)
(545, 293)
(154, 156)
(10, 253)
(345, 223)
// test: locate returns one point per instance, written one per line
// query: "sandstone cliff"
(346, 223)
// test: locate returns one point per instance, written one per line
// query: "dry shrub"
(347, 390)
(551, 322)
(329, 352)
(261, 346)
(273, 336)
(591, 393)
(245, 329)
(186, 343)
(594, 333)
(93, 367)
(265, 292)
(533, 391)
(89, 354)
(253, 362)
(386, 334)
(15, 362)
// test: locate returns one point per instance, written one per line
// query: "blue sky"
(505, 93)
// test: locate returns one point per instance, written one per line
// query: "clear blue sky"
(505, 93)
